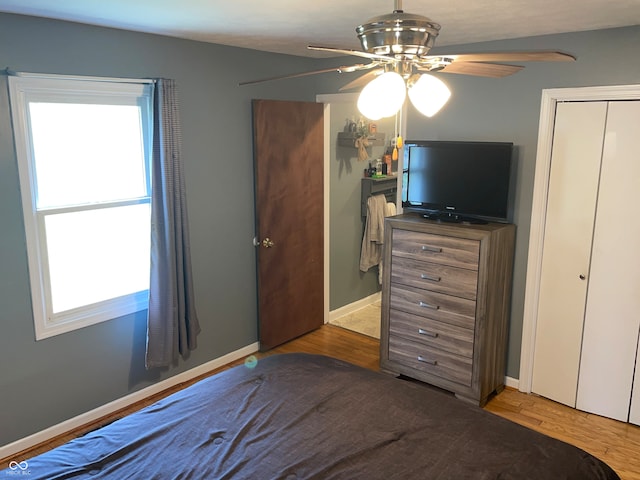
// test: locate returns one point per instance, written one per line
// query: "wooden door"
(612, 318)
(288, 152)
(571, 204)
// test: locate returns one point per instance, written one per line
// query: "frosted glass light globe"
(383, 96)
(429, 94)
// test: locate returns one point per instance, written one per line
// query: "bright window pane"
(87, 153)
(97, 255)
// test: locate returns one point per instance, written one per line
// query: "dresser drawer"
(453, 339)
(460, 282)
(457, 252)
(445, 308)
(430, 360)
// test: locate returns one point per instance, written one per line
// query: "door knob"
(267, 243)
(582, 277)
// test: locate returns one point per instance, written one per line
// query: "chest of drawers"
(445, 303)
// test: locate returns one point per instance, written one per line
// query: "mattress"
(301, 416)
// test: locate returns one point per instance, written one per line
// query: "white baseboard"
(512, 382)
(352, 307)
(123, 402)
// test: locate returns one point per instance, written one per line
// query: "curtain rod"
(13, 73)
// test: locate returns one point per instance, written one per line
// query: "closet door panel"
(612, 318)
(573, 186)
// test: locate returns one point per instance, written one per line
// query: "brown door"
(288, 151)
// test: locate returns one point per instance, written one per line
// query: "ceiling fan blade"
(492, 70)
(362, 80)
(357, 53)
(539, 56)
(343, 69)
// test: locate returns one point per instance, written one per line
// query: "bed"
(302, 416)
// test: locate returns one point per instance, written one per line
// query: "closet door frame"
(550, 98)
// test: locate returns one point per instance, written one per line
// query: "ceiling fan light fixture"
(383, 96)
(403, 30)
(428, 94)
(401, 42)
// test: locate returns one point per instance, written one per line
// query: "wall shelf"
(348, 139)
(387, 186)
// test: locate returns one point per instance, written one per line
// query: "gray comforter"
(300, 416)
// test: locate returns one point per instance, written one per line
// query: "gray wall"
(43, 383)
(348, 284)
(46, 382)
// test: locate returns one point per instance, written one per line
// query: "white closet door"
(573, 187)
(612, 318)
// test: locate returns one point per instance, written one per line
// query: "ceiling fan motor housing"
(399, 34)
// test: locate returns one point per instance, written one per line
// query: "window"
(84, 149)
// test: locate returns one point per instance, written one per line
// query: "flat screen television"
(458, 181)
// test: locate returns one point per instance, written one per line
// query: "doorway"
(347, 290)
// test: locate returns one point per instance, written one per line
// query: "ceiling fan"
(400, 42)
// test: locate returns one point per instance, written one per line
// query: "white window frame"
(25, 88)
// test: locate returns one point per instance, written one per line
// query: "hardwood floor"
(614, 442)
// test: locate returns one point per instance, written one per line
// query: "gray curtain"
(172, 323)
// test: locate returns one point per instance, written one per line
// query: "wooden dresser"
(445, 303)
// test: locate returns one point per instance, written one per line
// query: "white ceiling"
(288, 26)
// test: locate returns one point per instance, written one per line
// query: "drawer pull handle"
(426, 360)
(429, 248)
(428, 305)
(432, 278)
(427, 333)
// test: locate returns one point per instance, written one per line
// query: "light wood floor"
(614, 442)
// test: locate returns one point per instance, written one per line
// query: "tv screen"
(458, 181)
